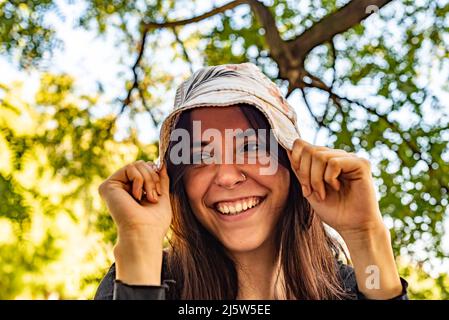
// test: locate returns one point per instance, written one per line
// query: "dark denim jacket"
(110, 289)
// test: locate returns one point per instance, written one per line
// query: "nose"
(229, 176)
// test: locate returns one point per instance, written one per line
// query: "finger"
(298, 146)
(317, 168)
(164, 179)
(348, 168)
(153, 170)
(354, 167)
(120, 176)
(150, 185)
(136, 178)
(332, 173)
(303, 172)
(310, 172)
(320, 162)
(294, 154)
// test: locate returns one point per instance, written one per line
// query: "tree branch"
(213, 12)
(319, 84)
(147, 108)
(135, 84)
(334, 61)
(288, 55)
(172, 24)
(309, 108)
(279, 49)
(184, 49)
(334, 76)
(337, 22)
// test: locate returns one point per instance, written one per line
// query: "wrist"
(139, 261)
(366, 237)
(141, 233)
(374, 264)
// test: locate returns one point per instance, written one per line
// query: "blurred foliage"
(54, 152)
(421, 285)
(53, 155)
(23, 31)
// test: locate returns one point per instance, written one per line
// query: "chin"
(242, 242)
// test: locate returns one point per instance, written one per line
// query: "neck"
(257, 272)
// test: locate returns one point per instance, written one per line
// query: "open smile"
(237, 209)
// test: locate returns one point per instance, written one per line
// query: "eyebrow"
(238, 135)
(200, 144)
(245, 134)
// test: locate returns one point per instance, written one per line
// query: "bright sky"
(92, 59)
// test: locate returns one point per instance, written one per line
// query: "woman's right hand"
(138, 200)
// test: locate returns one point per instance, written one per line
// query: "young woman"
(245, 201)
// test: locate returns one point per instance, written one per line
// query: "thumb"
(293, 162)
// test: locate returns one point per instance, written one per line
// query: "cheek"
(279, 185)
(196, 186)
(283, 178)
(286, 182)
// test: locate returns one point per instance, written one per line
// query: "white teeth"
(238, 206)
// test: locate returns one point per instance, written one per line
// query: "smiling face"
(237, 204)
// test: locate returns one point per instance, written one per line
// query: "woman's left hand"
(338, 186)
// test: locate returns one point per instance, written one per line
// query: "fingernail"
(154, 195)
(158, 188)
(317, 196)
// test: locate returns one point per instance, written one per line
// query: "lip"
(238, 217)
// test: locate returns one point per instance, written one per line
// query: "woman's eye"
(202, 155)
(251, 147)
(206, 155)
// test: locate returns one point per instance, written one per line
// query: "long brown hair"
(202, 269)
